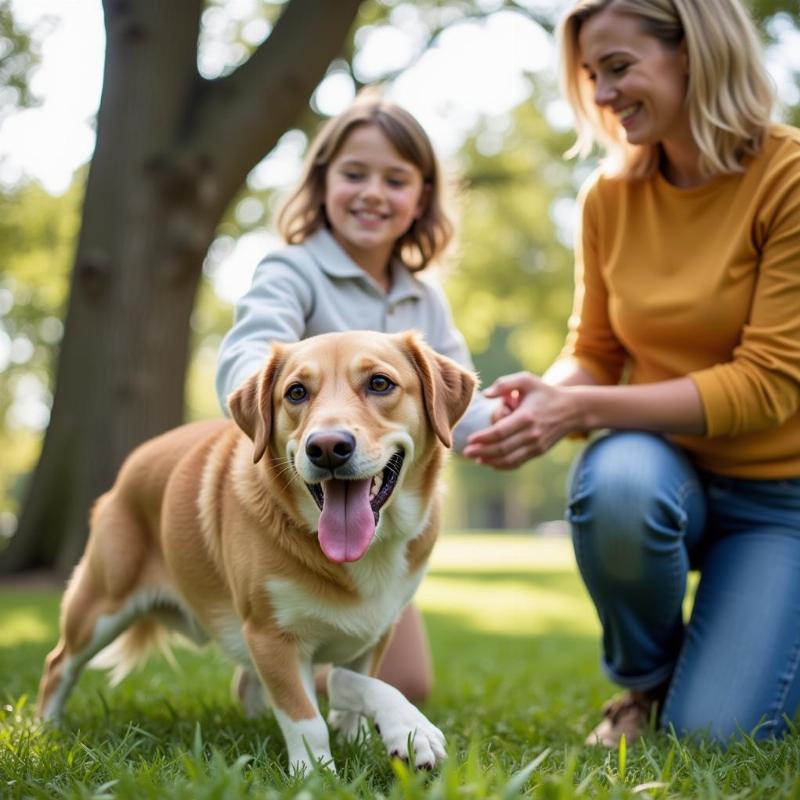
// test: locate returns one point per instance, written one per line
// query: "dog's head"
(351, 414)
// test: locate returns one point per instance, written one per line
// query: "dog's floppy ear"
(447, 387)
(251, 404)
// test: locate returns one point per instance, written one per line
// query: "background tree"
(172, 151)
(168, 177)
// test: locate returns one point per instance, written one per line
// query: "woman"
(685, 343)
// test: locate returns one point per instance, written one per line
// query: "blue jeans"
(642, 516)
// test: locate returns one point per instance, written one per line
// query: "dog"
(292, 535)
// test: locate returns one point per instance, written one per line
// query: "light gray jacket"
(315, 287)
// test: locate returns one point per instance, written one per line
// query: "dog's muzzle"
(351, 507)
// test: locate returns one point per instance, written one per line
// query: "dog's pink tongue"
(347, 524)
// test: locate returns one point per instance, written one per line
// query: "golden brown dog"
(293, 537)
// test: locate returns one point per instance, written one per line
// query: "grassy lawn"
(517, 686)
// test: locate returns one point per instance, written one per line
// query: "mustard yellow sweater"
(703, 282)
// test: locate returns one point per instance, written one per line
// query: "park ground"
(515, 644)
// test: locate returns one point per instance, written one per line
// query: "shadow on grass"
(463, 654)
(520, 689)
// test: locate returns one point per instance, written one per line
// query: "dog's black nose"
(330, 449)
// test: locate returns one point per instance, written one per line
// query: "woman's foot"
(629, 714)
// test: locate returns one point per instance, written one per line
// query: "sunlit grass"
(25, 625)
(515, 647)
(509, 584)
(492, 552)
(505, 606)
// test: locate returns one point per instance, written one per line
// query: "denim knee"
(706, 713)
(625, 502)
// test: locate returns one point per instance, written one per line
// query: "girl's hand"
(536, 415)
(502, 408)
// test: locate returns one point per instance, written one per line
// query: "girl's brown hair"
(303, 213)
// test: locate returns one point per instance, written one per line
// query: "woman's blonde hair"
(303, 213)
(729, 95)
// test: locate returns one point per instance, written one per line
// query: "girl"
(688, 292)
(366, 217)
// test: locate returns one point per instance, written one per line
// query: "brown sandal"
(629, 714)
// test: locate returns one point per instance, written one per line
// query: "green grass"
(517, 686)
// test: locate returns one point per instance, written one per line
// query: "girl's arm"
(273, 309)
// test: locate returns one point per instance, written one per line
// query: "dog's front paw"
(348, 723)
(302, 766)
(398, 726)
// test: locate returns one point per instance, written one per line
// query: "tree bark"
(172, 150)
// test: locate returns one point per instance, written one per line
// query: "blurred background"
(126, 234)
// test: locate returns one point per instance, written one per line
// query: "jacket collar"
(335, 262)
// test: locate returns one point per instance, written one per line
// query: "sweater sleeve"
(591, 342)
(275, 308)
(760, 387)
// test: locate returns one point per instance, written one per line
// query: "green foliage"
(775, 19)
(514, 272)
(19, 54)
(511, 292)
(763, 10)
(517, 686)
(37, 234)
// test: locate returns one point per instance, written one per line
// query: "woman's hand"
(536, 415)
(539, 414)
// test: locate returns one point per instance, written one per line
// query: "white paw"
(302, 765)
(307, 743)
(399, 723)
(348, 723)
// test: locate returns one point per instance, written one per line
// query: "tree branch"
(242, 115)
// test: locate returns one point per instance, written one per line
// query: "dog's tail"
(132, 648)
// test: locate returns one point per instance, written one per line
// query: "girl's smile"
(372, 197)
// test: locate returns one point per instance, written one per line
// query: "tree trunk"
(172, 150)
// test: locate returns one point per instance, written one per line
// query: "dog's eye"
(296, 393)
(380, 384)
